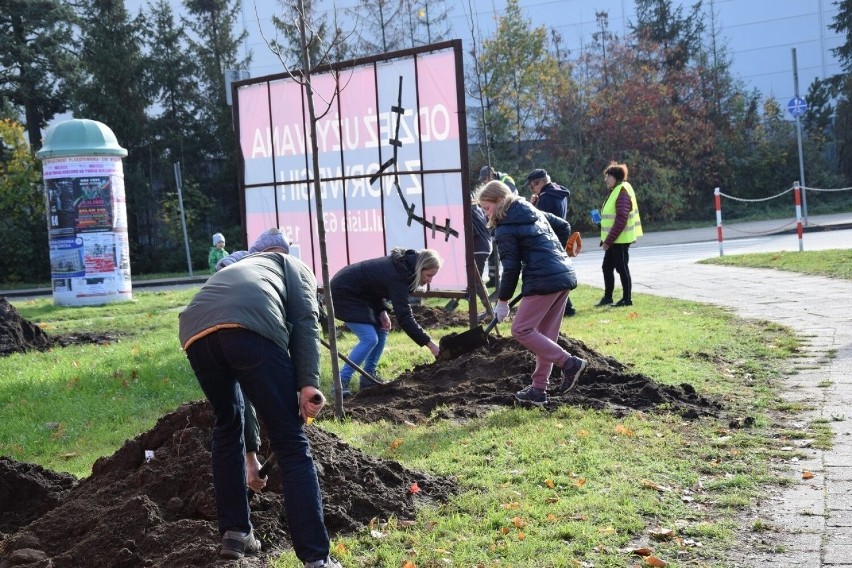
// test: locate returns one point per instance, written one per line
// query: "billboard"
(392, 160)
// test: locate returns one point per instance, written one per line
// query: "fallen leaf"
(396, 443)
(521, 535)
(622, 430)
(656, 486)
(644, 551)
(68, 456)
(654, 561)
(606, 530)
(580, 482)
(414, 488)
(661, 534)
(583, 433)
(512, 505)
(408, 564)
(518, 522)
(807, 474)
(549, 483)
(340, 549)
(551, 517)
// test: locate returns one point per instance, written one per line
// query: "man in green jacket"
(255, 324)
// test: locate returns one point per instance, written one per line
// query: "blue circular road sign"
(797, 106)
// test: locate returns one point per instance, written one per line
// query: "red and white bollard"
(797, 196)
(717, 194)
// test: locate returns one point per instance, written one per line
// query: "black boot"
(605, 301)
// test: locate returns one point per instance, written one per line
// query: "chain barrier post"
(718, 196)
(797, 196)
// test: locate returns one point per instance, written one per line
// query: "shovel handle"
(493, 323)
(263, 471)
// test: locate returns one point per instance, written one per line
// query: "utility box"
(87, 214)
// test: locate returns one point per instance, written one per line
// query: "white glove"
(501, 311)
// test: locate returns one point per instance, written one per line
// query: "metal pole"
(799, 139)
(179, 183)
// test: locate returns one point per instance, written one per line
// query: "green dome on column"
(80, 137)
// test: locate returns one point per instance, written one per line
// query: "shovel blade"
(457, 344)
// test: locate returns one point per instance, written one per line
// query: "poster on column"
(87, 230)
(390, 136)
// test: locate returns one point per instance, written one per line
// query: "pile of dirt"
(132, 512)
(435, 318)
(19, 335)
(477, 382)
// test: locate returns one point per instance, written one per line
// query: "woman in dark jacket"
(359, 292)
(531, 247)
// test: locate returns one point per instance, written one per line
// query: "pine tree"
(38, 60)
(215, 46)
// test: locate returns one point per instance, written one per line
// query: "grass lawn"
(573, 487)
(836, 263)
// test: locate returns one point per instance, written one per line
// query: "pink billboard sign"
(390, 160)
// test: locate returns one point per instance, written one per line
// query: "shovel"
(346, 359)
(456, 345)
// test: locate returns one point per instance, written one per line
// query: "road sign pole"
(799, 140)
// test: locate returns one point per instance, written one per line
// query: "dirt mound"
(434, 318)
(28, 491)
(475, 383)
(133, 512)
(18, 335)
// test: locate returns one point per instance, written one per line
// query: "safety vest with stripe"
(633, 228)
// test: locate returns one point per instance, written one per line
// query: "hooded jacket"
(359, 291)
(555, 199)
(531, 245)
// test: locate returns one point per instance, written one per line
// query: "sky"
(759, 34)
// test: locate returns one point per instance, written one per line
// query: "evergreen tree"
(380, 26)
(215, 46)
(320, 36)
(428, 21)
(114, 89)
(842, 24)
(842, 82)
(38, 60)
(678, 35)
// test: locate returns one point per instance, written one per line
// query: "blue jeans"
(226, 362)
(368, 351)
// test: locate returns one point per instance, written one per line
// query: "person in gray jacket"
(255, 325)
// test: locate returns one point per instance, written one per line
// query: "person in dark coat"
(549, 196)
(359, 293)
(255, 326)
(531, 249)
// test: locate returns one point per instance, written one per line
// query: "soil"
(18, 335)
(131, 512)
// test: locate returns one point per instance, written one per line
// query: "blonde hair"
(499, 193)
(427, 259)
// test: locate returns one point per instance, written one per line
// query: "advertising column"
(87, 214)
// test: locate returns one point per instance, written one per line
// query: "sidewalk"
(811, 520)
